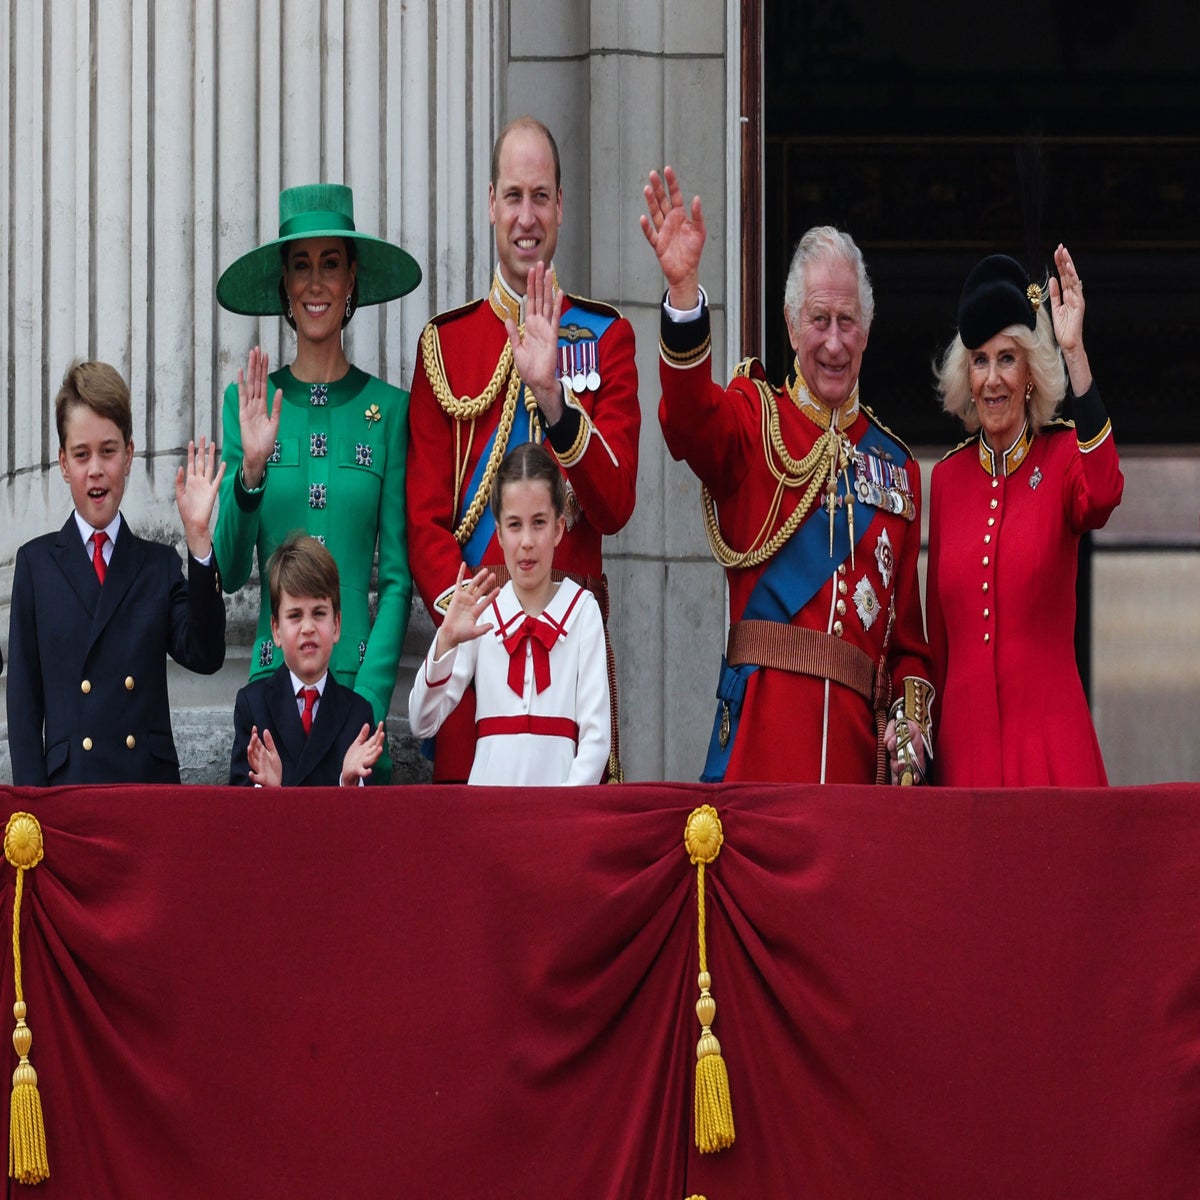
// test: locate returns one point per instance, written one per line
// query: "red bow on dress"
(541, 636)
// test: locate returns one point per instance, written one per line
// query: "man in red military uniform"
(813, 508)
(507, 369)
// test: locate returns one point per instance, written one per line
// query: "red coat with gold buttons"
(1003, 548)
(794, 727)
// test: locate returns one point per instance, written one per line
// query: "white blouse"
(559, 735)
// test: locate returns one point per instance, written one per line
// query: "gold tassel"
(27, 1161)
(714, 1112)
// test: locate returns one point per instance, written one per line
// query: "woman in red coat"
(1007, 509)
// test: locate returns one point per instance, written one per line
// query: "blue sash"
(481, 536)
(795, 574)
(584, 325)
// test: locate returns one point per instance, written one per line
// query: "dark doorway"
(934, 139)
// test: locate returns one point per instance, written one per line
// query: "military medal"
(593, 376)
(882, 484)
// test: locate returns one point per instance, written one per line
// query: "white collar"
(298, 684)
(86, 530)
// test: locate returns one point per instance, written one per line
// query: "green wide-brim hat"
(317, 210)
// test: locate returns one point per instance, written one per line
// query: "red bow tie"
(541, 636)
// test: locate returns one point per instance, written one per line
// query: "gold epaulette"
(599, 306)
(876, 421)
(971, 441)
(750, 368)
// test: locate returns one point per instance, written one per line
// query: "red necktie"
(310, 696)
(540, 636)
(99, 537)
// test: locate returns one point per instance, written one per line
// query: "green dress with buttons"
(337, 473)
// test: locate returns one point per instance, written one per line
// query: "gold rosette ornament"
(27, 1162)
(702, 840)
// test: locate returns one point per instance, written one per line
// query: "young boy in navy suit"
(96, 609)
(299, 726)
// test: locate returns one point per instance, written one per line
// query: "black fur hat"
(997, 294)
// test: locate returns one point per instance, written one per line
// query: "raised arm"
(196, 487)
(535, 347)
(677, 237)
(257, 422)
(248, 432)
(1066, 307)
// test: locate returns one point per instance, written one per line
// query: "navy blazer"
(309, 760)
(87, 665)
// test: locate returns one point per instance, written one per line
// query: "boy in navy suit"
(299, 726)
(96, 609)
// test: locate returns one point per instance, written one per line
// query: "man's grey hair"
(824, 243)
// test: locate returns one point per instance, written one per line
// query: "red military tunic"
(794, 726)
(1003, 548)
(596, 444)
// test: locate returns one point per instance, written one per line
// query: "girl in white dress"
(534, 647)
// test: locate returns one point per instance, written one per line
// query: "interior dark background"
(937, 140)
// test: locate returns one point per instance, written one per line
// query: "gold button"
(985, 560)
(987, 612)
(985, 586)
(991, 521)
(129, 683)
(987, 537)
(837, 628)
(841, 568)
(995, 502)
(995, 481)
(841, 608)
(85, 686)
(131, 741)
(987, 637)
(842, 587)
(87, 743)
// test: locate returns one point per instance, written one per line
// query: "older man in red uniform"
(813, 508)
(503, 370)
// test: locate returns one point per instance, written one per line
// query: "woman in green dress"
(320, 445)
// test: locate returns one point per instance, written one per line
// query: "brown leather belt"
(803, 652)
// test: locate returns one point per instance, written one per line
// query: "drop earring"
(289, 309)
(349, 309)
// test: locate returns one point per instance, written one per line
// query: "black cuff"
(562, 436)
(1089, 415)
(681, 340)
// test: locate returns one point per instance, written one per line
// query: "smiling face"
(525, 205)
(828, 334)
(999, 371)
(528, 530)
(306, 630)
(318, 276)
(95, 461)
